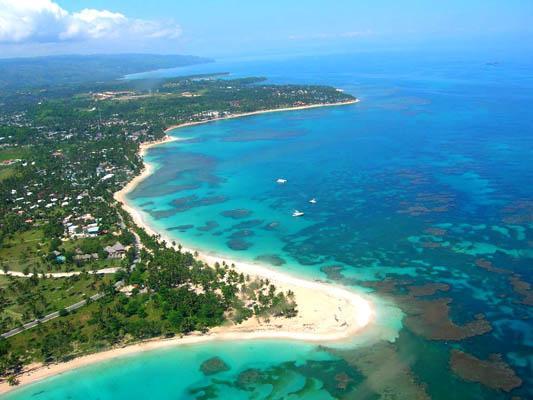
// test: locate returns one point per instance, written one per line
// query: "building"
(115, 251)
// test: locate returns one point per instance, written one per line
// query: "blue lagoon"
(423, 199)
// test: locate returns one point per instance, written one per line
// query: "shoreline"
(259, 112)
(326, 312)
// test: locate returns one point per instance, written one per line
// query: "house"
(115, 251)
(86, 217)
(106, 177)
(86, 257)
(92, 230)
(71, 228)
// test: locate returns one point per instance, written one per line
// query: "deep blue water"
(428, 180)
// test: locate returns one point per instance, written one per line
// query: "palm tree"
(12, 380)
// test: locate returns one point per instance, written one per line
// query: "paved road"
(55, 314)
(60, 274)
(79, 304)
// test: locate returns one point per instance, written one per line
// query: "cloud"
(41, 21)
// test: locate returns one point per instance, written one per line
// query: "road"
(19, 274)
(79, 304)
(55, 314)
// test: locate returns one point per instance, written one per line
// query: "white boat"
(297, 213)
(281, 181)
(312, 201)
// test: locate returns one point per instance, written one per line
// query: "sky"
(225, 28)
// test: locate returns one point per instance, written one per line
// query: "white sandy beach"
(325, 312)
(343, 103)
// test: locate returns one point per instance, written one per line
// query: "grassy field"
(13, 153)
(23, 299)
(103, 240)
(79, 318)
(23, 250)
(9, 154)
(77, 321)
(26, 250)
(6, 172)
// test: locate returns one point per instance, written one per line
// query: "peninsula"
(73, 153)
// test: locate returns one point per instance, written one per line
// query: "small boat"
(297, 213)
(312, 201)
(281, 181)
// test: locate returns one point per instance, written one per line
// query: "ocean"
(424, 197)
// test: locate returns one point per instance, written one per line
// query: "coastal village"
(69, 252)
(75, 181)
(237, 224)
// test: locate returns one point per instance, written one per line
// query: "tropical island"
(80, 271)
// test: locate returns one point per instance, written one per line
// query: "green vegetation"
(22, 250)
(8, 158)
(6, 173)
(11, 153)
(25, 299)
(169, 293)
(32, 251)
(71, 143)
(75, 69)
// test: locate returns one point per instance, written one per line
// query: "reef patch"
(493, 372)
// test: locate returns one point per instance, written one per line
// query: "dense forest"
(39, 72)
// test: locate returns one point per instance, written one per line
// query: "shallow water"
(176, 373)
(426, 181)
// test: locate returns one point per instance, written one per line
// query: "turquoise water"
(176, 374)
(426, 181)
